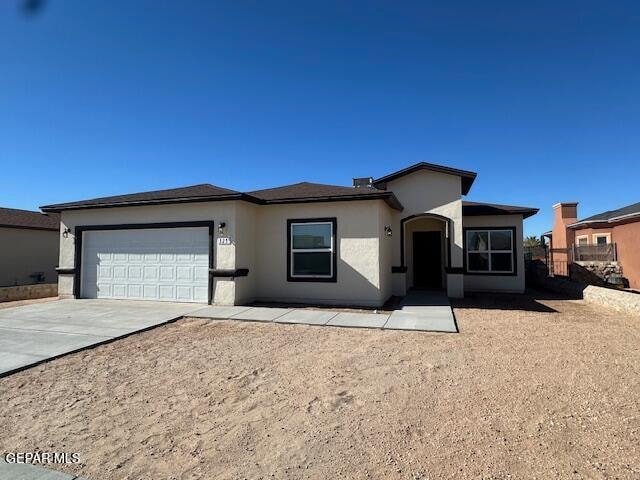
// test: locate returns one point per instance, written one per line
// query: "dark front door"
(427, 258)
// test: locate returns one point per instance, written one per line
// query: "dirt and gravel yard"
(532, 387)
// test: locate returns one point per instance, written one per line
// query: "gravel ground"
(532, 387)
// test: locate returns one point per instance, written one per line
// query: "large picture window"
(490, 251)
(311, 250)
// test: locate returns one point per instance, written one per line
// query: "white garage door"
(168, 264)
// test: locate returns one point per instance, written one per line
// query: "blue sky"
(540, 98)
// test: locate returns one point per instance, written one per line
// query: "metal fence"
(594, 253)
(559, 260)
(556, 260)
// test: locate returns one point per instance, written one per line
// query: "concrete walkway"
(421, 311)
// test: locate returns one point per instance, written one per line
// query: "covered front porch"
(429, 256)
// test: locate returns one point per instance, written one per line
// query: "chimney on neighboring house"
(564, 213)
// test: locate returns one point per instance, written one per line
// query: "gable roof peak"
(467, 177)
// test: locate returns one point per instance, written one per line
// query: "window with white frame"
(582, 240)
(490, 251)
(312, 250)
(601, 238)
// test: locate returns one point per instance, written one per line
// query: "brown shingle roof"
(318, 192)
(471, 209)
(12, 218)
(296, 193)
(192, 193)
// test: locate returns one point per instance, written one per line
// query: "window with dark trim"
(490, 250)
(311, 250)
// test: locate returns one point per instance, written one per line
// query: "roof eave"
(388, 197)
(605, 221)
(489, 210)
(58, 208)
(30, 227)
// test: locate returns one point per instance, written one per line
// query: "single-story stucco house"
(301, 243)
(29, 246)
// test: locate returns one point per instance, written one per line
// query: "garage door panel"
(152, 264)
(200, 273)
(134, 272)
(134, 291)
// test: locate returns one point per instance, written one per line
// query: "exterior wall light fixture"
(66, 232)
(221, 227)
(388, 231)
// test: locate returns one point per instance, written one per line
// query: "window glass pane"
(477, 240)
(582, 241)
(501, 240)
(311, 235)
(478, 262)
(501, 262)
(312, 263)
(601, 240)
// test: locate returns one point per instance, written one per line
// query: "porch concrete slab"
(359, 320)
(23, 471)
(428, 310)
(307, 317)
(261, 314)
(218, 312)
(433, 321)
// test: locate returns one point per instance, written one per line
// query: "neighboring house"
(598, 241)
(305, 242)
(29, 247)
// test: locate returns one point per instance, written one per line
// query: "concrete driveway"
(31, 334)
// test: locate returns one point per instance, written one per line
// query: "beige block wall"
(498, 283)
(359, 232)
(224, 289)
(26, 251)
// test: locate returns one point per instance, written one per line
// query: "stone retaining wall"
(28, 292)
(595, 273)
(620, 300)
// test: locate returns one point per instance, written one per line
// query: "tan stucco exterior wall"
(386, 250)
(224, 290)
(427, 192)
(247, 242)
(498, 283)
(27, 251)
(258, 243)
(360, 233)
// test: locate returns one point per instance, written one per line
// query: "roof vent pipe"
(363, 182)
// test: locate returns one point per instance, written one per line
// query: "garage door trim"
(79, 230)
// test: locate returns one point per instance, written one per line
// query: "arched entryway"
(425, 250)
